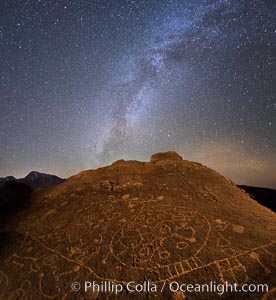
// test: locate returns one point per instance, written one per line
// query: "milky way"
(84, 83)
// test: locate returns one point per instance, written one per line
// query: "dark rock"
(264, 196)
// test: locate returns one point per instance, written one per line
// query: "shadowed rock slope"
(163, 220)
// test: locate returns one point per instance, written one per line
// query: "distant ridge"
(35, 180)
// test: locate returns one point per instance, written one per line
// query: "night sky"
(88, 82)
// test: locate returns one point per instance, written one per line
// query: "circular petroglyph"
(160, 237)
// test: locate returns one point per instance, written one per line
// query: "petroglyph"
(153, 237)
(154, 226)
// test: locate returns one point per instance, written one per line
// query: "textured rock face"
(162, 221)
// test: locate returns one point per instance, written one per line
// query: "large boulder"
(163, 221)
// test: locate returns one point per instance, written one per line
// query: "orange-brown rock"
(160, 221)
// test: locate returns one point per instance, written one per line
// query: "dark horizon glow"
(85, 83)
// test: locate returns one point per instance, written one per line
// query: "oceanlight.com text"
(173, 286)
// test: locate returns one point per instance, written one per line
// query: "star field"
(84, 83)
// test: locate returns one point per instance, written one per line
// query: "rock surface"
(170, 155)
(161, 221)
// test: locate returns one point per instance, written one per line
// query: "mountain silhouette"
(35, 180)
(162, 221)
